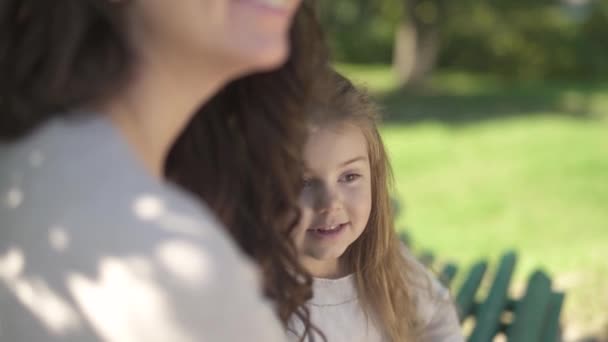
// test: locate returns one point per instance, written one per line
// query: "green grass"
(483, 166)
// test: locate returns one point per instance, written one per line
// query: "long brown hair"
(241, 154)
(56, 55)
(386, 281)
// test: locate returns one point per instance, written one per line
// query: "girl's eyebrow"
(353, 160)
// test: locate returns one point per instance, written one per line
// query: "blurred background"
(496, 119)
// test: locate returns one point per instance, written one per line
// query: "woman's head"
(241, 153)
(240, 35)
(57, 55)
(348, 180)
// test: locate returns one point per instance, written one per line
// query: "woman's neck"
(158, 103)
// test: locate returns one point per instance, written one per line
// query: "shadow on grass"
(411, 106)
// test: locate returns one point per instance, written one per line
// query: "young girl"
(367, 287)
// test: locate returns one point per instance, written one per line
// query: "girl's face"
(336, 198)
(241, 34)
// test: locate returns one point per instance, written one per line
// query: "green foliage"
(525, 40)
(593, 45)
(361, 31)
(514, 39)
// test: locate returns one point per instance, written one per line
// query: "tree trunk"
(417, 41)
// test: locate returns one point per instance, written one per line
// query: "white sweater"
(93, 248)
(335, 309)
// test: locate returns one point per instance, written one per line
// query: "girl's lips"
(328, 231)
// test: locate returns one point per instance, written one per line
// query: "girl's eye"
(351, 177)
(306, 182)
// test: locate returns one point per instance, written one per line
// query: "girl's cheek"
(358, 200)
(357, 195)
(306, 216)
(298, 234)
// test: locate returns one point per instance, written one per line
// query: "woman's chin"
(264, 59)
(273, 61)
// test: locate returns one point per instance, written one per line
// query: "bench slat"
(465, 300)
(531, 312)
(427, 258)
(552, 329)
(405, 238)
(447, 274)
(488, 322)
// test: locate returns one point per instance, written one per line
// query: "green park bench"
(535, 317)
(532, 318)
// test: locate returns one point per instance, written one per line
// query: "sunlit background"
(496, 118)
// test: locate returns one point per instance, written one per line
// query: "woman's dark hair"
(57, 55)
(242, 155)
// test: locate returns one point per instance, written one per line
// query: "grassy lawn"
(483, 166)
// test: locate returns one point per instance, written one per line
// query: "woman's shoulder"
(74, 184)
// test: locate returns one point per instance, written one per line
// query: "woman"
(93, 244)
(253, 182)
